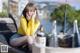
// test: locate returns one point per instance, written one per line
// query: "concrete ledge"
(7, 25)
(11, 49)
(62, 50)
(37, 49)
(7, 20)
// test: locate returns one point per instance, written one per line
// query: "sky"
(74, 3)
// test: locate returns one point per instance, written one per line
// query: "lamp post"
(65, 14)
(53, 42)
(75, 32)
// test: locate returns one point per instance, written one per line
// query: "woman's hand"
(30, 40)
(34, 15)
(31, 16)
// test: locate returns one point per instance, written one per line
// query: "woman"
(29, 24)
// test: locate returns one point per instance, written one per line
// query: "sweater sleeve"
(24, 27)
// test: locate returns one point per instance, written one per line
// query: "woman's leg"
(18, 40)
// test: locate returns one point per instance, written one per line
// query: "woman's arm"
(24, 27)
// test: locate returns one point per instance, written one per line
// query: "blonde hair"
(28, 7)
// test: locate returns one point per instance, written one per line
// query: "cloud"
(74, 3)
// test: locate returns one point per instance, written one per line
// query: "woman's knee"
(30, 41)
(13, 40)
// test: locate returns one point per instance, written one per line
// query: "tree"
(71, 14)
(78, 17)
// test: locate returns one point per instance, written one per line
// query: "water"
(47, 24)
(49, 28)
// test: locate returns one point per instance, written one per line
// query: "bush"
(4, 14)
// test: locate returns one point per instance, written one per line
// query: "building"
(1, 5)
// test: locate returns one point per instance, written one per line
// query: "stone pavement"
(37, 49)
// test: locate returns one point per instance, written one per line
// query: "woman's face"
(30, 13)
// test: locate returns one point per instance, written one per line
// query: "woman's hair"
(28, 7)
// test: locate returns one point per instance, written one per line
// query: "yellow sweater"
(28, 28)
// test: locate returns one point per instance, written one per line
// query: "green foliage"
(71, 14)
(4, 14)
